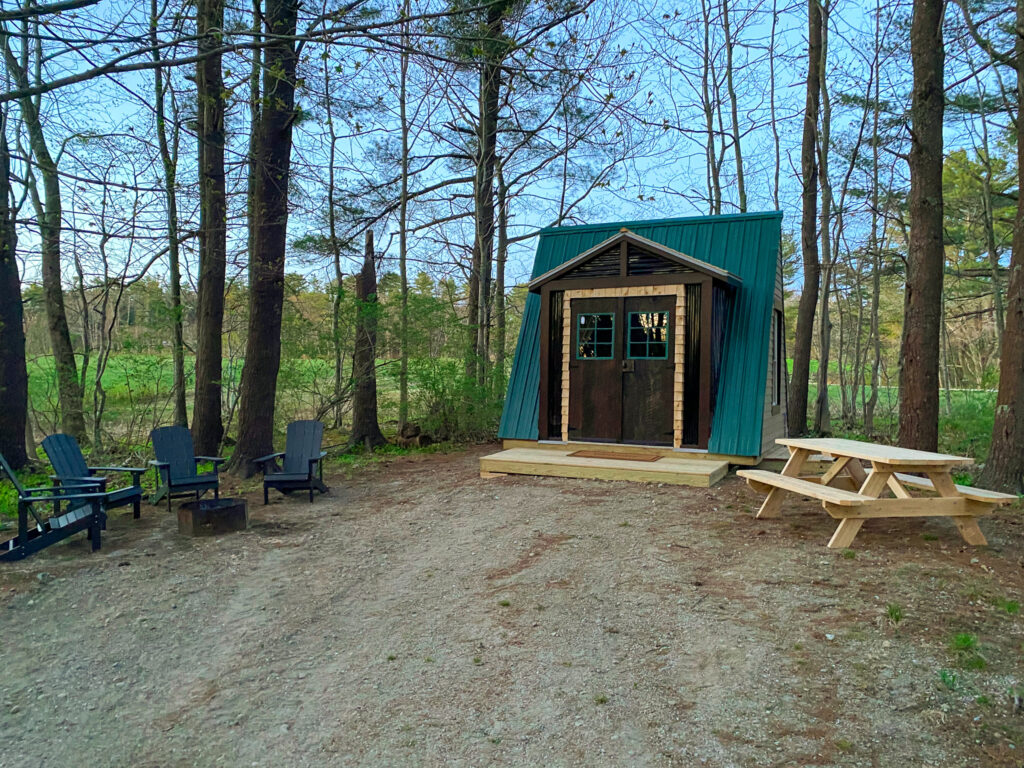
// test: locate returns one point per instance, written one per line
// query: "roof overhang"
(669, 254)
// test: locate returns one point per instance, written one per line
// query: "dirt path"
(421, 616)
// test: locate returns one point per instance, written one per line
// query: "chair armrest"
(79, 481)
(67, 497)
(155, 463)
(268, 457)
(133, 470)
(59, 491)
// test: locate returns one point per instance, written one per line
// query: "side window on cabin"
(778, 358)
(648, 335)
(595, 336)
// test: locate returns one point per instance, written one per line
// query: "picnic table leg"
(849, 527)
(773, 501)
(967, 525)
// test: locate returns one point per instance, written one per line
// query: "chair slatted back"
(302, 443)
(173, 445)
(11, 476)
(65, 456)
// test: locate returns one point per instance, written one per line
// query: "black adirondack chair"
(177, 465)
(302, 466)
(82, 512)
(72, 471)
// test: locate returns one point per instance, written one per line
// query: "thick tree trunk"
(365, 427)
(272, 158)
(919, 371)
(69, 388)
(13, 372)
(483, 193)
(1004, 469)
(169, 159)
(207, 423)
(797, 411)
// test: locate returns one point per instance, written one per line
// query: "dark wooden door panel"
(595, 370)
(647, 378)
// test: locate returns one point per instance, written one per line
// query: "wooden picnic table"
(852, 493)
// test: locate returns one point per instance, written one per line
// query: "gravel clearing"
(421, 616)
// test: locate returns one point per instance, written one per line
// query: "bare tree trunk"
(741, 189)
(483, 191)
(254, 115)
(365, 426)
(272, 157)
(776, 143)
(207, 423)
(1004, 469)
(169, 160)
(499, 283)
(797, 411)
(339, 276)
(990, 230)
(69, 387)
(919, 372)
(822, 416)
(876, 256)
(403, 227)
(13, 372)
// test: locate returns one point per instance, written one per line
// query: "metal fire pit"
(209, 517)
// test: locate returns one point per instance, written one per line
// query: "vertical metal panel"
(746, 245)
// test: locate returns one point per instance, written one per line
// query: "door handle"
(628, 366)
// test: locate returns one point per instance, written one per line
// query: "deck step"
(548, 463)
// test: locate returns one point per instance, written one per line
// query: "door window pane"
(648, 335)
(595, 336)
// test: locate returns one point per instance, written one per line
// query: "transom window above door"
(595, 336)
(648, 335)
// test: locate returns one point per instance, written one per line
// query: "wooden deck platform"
(670, 469)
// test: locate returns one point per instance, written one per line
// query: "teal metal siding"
(746, 245)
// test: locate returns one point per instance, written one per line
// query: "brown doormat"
(620, 456)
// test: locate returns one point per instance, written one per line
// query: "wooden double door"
(621, 366)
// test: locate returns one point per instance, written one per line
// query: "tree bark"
(69, 387)
(822, 415)
(207, 422)
(797, 411)
(169, 159)
(741, 189)
(365, 427)
(483, 192)
(13, 371)
(403, 227)
(919, 371)
(1004, 469)
(272, 158)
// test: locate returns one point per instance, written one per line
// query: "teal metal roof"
(746, 244)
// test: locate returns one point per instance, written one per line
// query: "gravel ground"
(420, 616)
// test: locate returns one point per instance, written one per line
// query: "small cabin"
(651, 340)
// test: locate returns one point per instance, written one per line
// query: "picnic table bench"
(852, 493)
